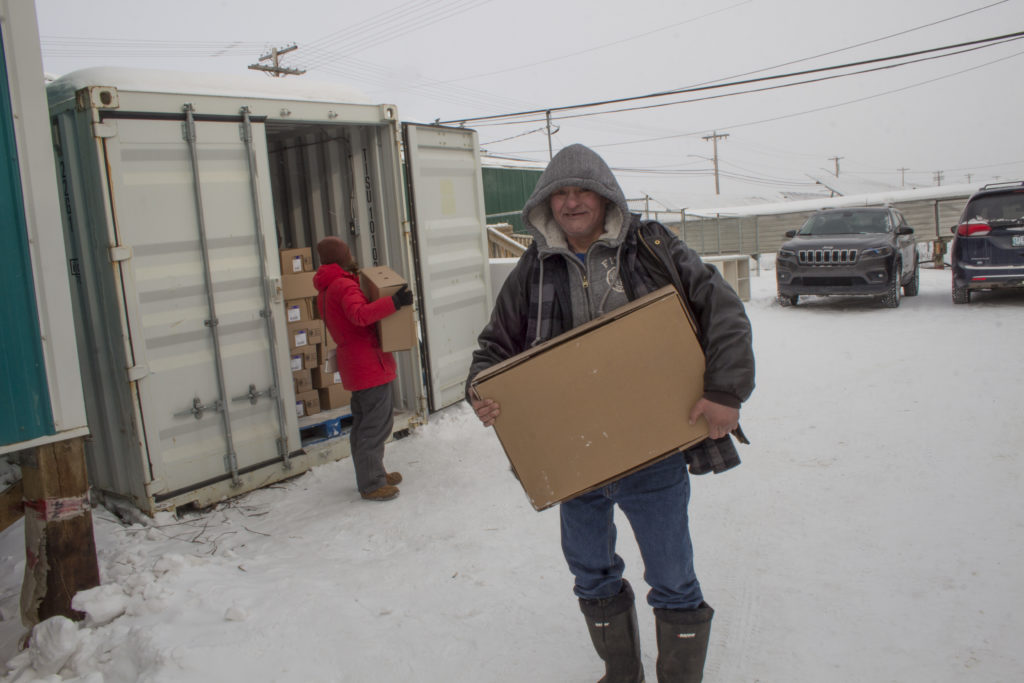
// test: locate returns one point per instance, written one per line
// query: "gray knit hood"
(574, 166)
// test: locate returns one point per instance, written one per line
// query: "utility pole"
(547, 117)
(938, 178)
(276, 70)
(714, 141)
(969, 175)
(903, 177)
(836, 159)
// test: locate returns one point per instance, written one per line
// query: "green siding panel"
(506, 190)
(25, 411)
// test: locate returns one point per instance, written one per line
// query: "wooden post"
(59, 545)
(11, 506)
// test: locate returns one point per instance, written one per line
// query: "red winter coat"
(350, 321)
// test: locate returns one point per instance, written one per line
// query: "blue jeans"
(654, 501)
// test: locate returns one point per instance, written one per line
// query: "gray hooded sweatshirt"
(596, 287)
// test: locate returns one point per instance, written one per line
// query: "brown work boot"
(386, 492)
(394, 478)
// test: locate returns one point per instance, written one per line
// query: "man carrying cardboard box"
(587, 259)
(365, 369)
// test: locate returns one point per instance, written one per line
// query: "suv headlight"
(877, 251)
(787, 253)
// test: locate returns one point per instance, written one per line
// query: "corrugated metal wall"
(506, 191)
(25, 412)
(764, 233)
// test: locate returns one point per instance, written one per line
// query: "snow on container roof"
(211, 84)
(874, 198)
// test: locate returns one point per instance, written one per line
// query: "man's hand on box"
(403, 297)
(721, 419)
(486, 409)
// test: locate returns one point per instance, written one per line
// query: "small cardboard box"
(600, 401)
(303, 380)
(309, 333)
(298, 310)
(296, 260)
(397, 331)
(304, 358)
(322, 378)
(297, 286)
(307, 403)
(333, 397)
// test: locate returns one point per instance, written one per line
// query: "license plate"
(1017, 241)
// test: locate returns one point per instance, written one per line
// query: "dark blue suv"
(988, 243)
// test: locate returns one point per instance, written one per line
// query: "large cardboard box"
(296, 260)
(600, 401)
(333, 397)
(297, 285)
(302, 380)
(397, 331)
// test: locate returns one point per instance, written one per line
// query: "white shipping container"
(178, 191)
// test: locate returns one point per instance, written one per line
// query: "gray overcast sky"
(450, 59)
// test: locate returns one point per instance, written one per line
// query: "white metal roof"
(248, 84)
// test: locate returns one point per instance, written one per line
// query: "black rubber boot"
(612, 625)
(682, 643)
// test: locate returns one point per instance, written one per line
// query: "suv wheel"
(788, 300)
(891, 299)
(961, 295)
(912, 287)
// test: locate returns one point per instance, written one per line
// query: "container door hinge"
(104, 130)
(118, 254)
(276, 291)
(137, 372)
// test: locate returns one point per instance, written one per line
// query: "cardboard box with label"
(296, 260)
(304, 358)
(309, 333)
(322, 378)
(307, 403)
(299, 310)
(600, 401)
(398, 330)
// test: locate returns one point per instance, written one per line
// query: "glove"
(403, 297)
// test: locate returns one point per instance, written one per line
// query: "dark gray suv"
(865, 250)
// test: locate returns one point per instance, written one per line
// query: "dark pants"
(372, 419)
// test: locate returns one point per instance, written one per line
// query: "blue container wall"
(25, 412)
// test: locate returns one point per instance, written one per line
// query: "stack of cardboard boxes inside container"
(311, 349)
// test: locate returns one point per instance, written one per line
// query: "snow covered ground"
(873, 533)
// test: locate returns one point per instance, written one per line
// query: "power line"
(395, 29)
(600, 47)
(993, 40)
(816, 109)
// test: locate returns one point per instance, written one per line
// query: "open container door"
(449, 237)
(190, 210)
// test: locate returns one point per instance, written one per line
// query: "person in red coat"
(365, 369)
